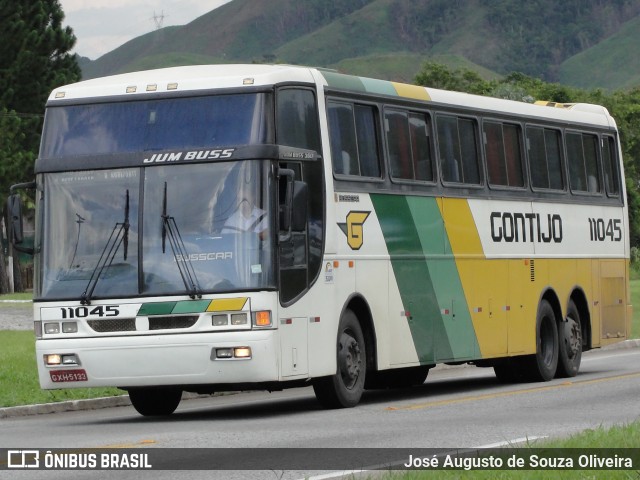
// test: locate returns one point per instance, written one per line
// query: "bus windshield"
(137, 231)
(155, 125)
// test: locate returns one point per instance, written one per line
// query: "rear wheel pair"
(558, 349)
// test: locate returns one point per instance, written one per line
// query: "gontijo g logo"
(354, 228)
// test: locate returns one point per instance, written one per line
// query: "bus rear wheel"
(344, 389)
(152, 402)
(570, 343)
(543, 364)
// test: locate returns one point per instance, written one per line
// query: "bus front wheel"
(152, 402)
(344, 389)
(543, 364)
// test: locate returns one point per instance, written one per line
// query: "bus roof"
(208, 77)
(183, 79)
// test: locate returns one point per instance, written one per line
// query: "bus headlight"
(69, 327)
(238, 318)
(51, 328)
(219, 320)
(53, 359)
(230, 353)
(57, 359)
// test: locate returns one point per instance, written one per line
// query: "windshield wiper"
(79, 221)
(180, 255)
(119, 236)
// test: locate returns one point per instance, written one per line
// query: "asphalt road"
(455, 408)
(16, 315)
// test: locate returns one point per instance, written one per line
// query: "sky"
(103, 25)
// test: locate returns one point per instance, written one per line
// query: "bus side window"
(449, 147)
(344, 150)
(554, 158)
(367, 141)
(610, 165)
(458, 150)
(496, 165)
(354, 143)
(512, 135)
(583, 162)
(297, 119)
(590, 146)
(399, 144)
(408, 145)
(502, 146)
(545, 161)
(421, 147)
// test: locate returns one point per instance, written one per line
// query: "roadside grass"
(17, 296)
(19, 375)
(616, 438)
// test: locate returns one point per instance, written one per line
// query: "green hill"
(586, 44)
(612, 63)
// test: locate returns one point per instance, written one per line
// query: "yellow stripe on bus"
(227, 304)
(411, 91)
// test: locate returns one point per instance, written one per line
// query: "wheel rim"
(572, 338)
(350, 359)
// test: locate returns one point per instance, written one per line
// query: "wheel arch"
(360, 307)
(579, 298)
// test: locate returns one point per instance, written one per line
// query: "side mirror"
(14, 210)
(16, 230)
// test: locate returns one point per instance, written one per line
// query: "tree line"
(34, 59)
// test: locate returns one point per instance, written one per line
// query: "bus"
(232, 227)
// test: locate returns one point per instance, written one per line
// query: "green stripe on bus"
(160, 308)
(359, 84)
(412, 274)
(192, 306)
(168, 308)
(343, 82)
(447, 283)
(427, 277)
(379, 87)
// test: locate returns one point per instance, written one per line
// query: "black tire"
(345, 388)
(153, 402)
(569, 343)
(543, 365)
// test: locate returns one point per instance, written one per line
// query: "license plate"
(68, 376)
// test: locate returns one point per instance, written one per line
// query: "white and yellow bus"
(229, 227)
